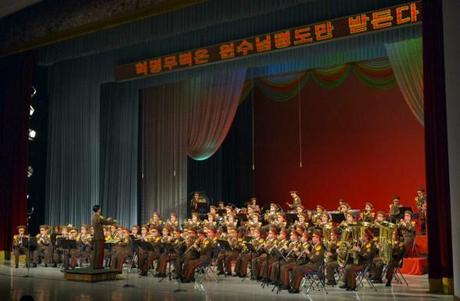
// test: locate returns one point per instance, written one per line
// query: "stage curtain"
(119, 152)
(406, 58)
(164, 181)
(16, 74)
(212, 102)
(72, 184)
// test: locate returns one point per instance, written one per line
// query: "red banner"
(378, 20)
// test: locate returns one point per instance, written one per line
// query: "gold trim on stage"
(441, 285)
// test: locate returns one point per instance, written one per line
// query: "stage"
(48, 284)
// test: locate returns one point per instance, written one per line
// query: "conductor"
(98, 221)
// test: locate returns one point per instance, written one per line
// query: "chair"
(363, 274)
(315, 280)
(398, 275)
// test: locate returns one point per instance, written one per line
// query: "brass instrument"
(386, 230)
(307, 247)
(327, 230)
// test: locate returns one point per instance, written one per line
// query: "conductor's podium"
(91, 275)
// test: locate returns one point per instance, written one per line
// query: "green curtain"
(406, 59)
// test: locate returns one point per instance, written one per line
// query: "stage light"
(30, 171)
(31, 110)
(32, 134)
(34, 91)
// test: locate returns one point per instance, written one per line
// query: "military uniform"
(44, 249)
(315, 259)
(365, 256)
(19, 248)
(207, 247)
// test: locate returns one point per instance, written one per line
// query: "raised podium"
(91, 275)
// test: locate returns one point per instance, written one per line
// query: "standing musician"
(44, 250)
(394, 209)
(19, 246)
(407, 226)
(420, 202)
(313, 261)
(196, 201)
(296, 201)
(363, 256)
(172, 222)
(97, 222)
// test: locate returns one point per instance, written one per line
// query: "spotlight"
(31, 110)
(30, 171)
(34, 91)
(32, 134)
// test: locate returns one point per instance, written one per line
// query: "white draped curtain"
(406, 59)
(190, 118)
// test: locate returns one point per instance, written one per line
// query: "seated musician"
(349, 220)
(301, 221)
(331, 258)
(230, 221)
(368, 215)
(135, 232)
(253, 204)
(264, 251)
(253, 221)
(394, 209)
(280, 269)
(172, 222)
(394, 258)
(155, 220)
(312, 262)
(20, 245)
(280, 221)
(407, 226)
(44, 250)
(210, 222)
(207, 246)
(143, 253)
(380, 217)
(193, 222)
(344, 207)
(296, 201)
(281, 246)
(270, 216)
(324, 219)
(190, 253)
(316, 216)
(71, 256)
(362, 256)
(121, 250)
(169, 254)
(246, 256)
(225, 257)
(84, 240)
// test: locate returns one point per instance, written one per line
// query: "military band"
(243, 242)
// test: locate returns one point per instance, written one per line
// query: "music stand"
(67, 245)
(337, 217)
(291, 218)
(402, 210)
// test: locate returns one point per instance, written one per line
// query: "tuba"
(386, 230)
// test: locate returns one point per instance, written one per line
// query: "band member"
(315, 259)
(407, 226)
(420, 202)
(148, 257)
(368, 214)
(225, 257)
(243, 260)
(394, 209)
(197, 201)
(44, 250)
(281, 246)
(380, 218)
(190, 253)
(172, 222)
(98, 222)
(266, 248)
(364, 255)
(194, 222)
(20, 245)
(84, 244)
(296, 201)
(280, 269)
(121, 250)
(331, 258)
(174, 249)
(155, 220)
(206, 249)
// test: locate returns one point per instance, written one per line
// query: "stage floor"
(46, 284)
